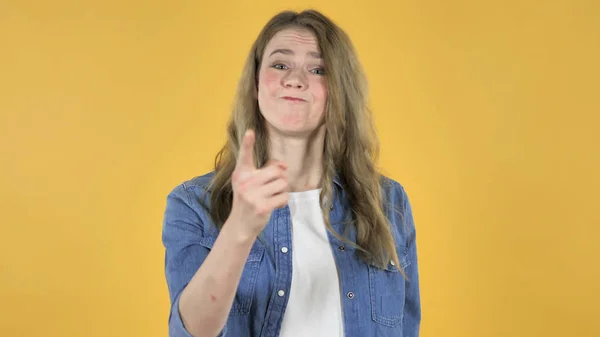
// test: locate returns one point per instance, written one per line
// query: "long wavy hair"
(351, 145)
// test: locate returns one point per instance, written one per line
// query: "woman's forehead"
(293, 38)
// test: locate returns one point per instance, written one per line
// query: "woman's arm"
(206, 301)
(201, 306)
(203, 284)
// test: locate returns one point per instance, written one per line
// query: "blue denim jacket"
(375, 302)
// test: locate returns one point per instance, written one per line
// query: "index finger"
(246, 154)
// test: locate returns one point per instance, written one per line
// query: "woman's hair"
(351, 145)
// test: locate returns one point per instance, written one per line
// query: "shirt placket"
(282, 241)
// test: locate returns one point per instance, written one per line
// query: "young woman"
(295, 232)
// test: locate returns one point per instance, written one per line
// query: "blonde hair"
(351, 144)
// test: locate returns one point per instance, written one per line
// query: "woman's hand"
(256, 192)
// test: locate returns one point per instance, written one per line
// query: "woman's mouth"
(293, 99)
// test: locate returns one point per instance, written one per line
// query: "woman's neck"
(304, 157)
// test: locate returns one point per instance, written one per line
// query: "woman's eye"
(318, 71)
(280, 66)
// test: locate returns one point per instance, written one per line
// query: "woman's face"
(291, 83)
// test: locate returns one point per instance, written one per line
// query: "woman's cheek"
(270, 78)
(321, 91)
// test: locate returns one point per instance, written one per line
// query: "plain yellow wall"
(488, 112)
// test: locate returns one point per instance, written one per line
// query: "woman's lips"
(293, 99)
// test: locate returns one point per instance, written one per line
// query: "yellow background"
(487, 112)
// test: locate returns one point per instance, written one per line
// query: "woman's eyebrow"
(286, 51)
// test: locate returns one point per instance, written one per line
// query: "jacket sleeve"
(411, 317)
(181, 237)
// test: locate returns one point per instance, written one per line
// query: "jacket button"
(281, 293)
(350, 295)
(342, 248)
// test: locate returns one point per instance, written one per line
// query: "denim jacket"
(375, 302)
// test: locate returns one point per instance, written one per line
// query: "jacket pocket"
(387, 289)
(247, 286)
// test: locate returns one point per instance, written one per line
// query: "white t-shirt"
(314, 308)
